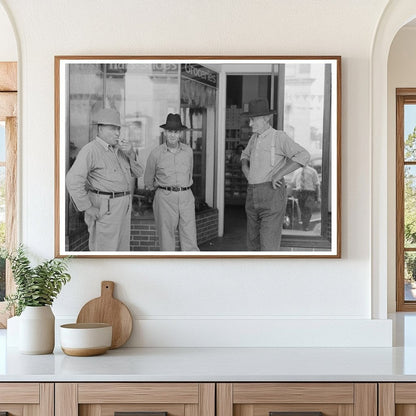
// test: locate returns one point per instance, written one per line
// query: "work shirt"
(306, 179)
(268, 153)
(101, 167)
(167, 168)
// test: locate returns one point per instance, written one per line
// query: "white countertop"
(215, 364)
(222, 364)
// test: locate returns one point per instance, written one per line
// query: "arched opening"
(383, 245)
(401, 92)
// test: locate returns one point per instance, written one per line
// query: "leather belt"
(112, 194)
(175, 188)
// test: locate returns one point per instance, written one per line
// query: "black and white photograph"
(198, 156)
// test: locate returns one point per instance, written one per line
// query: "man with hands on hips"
(269, 156)
(100, 183)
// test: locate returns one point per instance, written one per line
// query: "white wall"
(401, 74)
(208, 301)
(8, 45)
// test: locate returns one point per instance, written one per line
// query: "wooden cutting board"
(108, 310)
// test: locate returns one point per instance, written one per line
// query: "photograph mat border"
(61, 65)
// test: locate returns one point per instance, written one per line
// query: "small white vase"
(37, 330)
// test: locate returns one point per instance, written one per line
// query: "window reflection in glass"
(303, 121)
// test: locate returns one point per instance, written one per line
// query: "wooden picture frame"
(210, 93)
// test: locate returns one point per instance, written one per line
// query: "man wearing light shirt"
(169, 171)
(269, 156)
(100, 184)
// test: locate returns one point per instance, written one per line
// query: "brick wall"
(144, 236)
(80, 241)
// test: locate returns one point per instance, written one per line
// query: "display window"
(144, 94)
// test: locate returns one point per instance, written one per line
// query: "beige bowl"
(83, 340)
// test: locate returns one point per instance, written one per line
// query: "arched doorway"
(396, 15)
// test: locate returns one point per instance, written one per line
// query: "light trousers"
(175, 210)
(111, 231)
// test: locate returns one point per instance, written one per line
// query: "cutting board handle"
(107, 289)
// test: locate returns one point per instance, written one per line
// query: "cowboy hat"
(258, 107)
(173, 122)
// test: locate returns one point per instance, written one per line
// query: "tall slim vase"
(37, 330)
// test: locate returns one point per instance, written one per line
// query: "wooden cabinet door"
(26, 399)
(297, 399)
(397, 399)
(152, 399)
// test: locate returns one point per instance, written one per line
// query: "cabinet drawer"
(21, 399)
(138, 393)
(268, 399)
(106, 399)
(397, 399)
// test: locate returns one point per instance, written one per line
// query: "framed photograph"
(198, 156)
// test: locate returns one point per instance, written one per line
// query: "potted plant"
(36, 289)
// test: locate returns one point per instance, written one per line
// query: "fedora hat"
(173, 122)
(107, 116)
(258, 107)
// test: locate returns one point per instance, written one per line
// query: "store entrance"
(241, 89)
(300, 95)
(296, 93)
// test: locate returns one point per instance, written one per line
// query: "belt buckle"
(176, 188)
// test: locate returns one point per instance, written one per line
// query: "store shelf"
(235, 186)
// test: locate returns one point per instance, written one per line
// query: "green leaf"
(35, 286)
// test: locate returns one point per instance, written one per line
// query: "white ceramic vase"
(37, 330)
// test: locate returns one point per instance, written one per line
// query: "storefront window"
(304, 122)
(144, 94)
(297, 93)
(198, 104)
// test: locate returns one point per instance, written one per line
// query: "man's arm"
(245, 159)
(191, 171)
(245, 167)
(297, 156)
(76, 180)
(150, 171)
(287, 168)
(127, 148)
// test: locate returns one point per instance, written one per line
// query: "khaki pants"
(111, 231)
(175, 210)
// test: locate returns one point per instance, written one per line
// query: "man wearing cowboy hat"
(100, 183)
(169, 171)
(269, 156)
